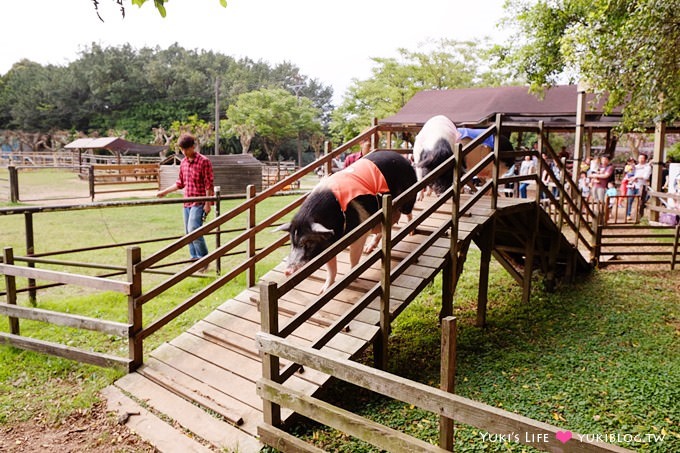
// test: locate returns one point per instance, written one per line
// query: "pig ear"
(284, 227)
(320, 229)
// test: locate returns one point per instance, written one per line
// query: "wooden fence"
(132, 177)
(449, 407)
(14, 312)
(568, 210)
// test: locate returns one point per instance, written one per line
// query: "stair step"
(146, 425)
(190, 417)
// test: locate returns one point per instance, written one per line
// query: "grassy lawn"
(39, 387)
(600, 357)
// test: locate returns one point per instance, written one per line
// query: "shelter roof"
(478, 106)
(116, 145)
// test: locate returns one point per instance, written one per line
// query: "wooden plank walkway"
(204, 381)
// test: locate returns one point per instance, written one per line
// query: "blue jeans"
(629, 201)
(523, 189)
(193, 218)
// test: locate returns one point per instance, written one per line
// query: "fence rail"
(447, 405)
(145, 175)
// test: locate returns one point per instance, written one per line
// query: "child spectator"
(611, 194)
(584, 185)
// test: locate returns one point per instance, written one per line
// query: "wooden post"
(496, 163)
(657, 166)
(135, 342)
(13, 184)
(485, 245)
(11, 289)
(218, 236)
(539, 170)
(674, 255)
(380, 354)
(451, 269)
(375, 139)
(448, 377)
(250, 251)
(269, 318)
(579, 133)
(448, 286)
(30, 251)
(597, 228)
(90, 179)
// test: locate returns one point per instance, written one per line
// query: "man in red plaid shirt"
(196, 178)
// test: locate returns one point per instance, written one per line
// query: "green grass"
(600, 357)
(37, 386)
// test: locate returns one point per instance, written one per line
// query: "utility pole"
(217, 115)
(297, 89)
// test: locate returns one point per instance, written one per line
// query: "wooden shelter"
(117, 146)
(233, 172)
(562, 109)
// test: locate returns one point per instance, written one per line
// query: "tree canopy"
(137, 90)
(275, 115)
(624, 49)
(159, 4)
(435, 65)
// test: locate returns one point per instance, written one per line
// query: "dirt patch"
(90, 430)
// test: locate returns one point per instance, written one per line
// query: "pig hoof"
(368, 249)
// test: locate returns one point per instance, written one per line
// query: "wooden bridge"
(231, 380)
(206, 380)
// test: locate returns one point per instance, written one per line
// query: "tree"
(625, 50)
(159, 4)
(277, 116)
(137, 90)
(245, 132)
(435, 65)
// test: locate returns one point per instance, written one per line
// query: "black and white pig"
(342, 202)
(434, 145)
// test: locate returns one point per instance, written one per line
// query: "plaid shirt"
(196, 178)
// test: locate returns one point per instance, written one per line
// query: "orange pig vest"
(361, 178)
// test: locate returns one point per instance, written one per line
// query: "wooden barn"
(233, 172)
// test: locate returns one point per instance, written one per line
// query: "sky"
(331, 41)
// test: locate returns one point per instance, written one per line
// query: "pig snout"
(295, 260)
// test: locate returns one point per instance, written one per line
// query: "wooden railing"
(14, 312)
(568, 209)
(447, 406)
(145, 175)
(633, 243)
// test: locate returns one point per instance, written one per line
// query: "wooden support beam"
(11, 289)
(134, 277)
(269, 323)
(486, 247)
(448, 377)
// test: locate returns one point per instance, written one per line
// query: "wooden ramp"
(198, 391)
